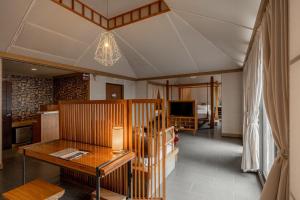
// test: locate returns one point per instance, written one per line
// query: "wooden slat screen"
(144, 132)
(147, 125)
(92, 122)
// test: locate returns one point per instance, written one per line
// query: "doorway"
(114, 91)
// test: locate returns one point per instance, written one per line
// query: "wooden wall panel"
(92, 122)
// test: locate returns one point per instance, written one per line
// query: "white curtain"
(253, 73)
(153, 91)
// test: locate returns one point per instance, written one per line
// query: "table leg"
(129, 179)
(98, 188)
(24, 169)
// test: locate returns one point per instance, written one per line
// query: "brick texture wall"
(28, 93)
(71, 88)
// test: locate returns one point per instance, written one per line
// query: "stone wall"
(28, 93)
(72, 87)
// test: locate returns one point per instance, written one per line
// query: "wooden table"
(99, 162)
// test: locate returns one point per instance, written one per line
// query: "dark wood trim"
(161, 5)
(154, 83)
(139, 10)
(82, 13)
(231, 135)
(191, 85)
(238, 69)
(68, 75)
(259, 17)
(72, 68)
(195, 85)
(212, 104)
(167, 90)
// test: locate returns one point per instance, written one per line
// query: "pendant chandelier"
(107, 52)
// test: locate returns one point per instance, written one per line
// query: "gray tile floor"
(208, 168)
(11, 176)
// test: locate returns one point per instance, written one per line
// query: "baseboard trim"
(231, 135)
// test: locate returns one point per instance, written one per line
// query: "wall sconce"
(117, 139)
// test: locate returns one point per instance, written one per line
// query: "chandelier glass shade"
(108, 52)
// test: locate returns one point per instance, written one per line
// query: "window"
(267, 150)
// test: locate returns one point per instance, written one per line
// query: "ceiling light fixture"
(107, 52)
(34, 69)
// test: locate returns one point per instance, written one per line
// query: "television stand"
(183, 123)
(182, 115)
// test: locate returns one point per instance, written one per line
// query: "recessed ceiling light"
(34, 69)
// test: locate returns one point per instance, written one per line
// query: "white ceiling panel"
(139, 64)
(44, 40)
(11, 15)
(48, 14)
(158, 43)
(21, 68)
(241, 12)
(207, 56)
(231, 39)
(40, 55)
(195, 36)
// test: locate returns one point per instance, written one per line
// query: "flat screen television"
(182, 108)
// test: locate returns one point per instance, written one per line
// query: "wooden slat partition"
(150, 10)
(144, 132)
(83, 10)
(92, 122)
(147, 124)
(138, 14)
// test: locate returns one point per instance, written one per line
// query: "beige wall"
(294, 99)
(232, 104)
(201, 95)
(175, 93)
(1, 164)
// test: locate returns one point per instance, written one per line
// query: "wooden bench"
(35, 190)
(108, 195)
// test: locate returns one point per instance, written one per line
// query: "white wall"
(98, 87)
(1, 164)
(294, 99)
(141, 89)
(175, 93)
(232, 102)
(201, 95)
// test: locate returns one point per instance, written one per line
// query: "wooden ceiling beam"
(196, 85)
(236, 69)
(138, 14)
(72, 68)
